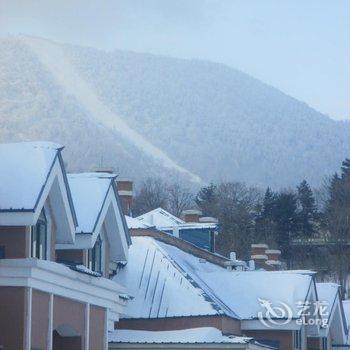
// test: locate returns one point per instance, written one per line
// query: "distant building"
(196, 229)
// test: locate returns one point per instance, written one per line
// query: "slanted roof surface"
(346, 306)
(160, 218)
(194, 287)
(238, 292)
(327, 293)
(134, 223)
(185, 336)
(25, 167)
(89, 191)
(159, 286)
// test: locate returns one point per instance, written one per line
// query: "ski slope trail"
(55, 60)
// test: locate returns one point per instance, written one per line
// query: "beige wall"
(16, 241)
(97, 328)
(12, 317)
(284, 337)
(69, 312)
(40, 319)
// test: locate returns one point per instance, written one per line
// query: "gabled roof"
(30, 173)
(89, 191)
(98, 208)
(159, 218)
(333, 312)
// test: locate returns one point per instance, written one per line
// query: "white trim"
(259, 257)
(87, 327)
(51, 277)
(28, 319)
(247, 325)
(50, 325)
(125, 193)
(106, 329)
(259, 245)
(114, 229)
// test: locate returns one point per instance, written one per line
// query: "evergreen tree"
(285, 214)
(337, 215)
(206, 200)
(265, 227)
(306, 210)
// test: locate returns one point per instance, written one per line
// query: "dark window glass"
(2, 253)
(39, 238)
(95, 256)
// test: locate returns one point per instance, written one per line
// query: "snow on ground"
(192, 335)
(84, 187)
(24, 170)
(53, 57)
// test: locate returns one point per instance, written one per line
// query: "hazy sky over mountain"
(301, 47)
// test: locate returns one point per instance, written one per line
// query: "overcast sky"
(299, 46)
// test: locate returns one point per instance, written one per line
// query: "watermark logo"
(306, 313)
(274, 315)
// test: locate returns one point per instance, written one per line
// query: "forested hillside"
(160, 115)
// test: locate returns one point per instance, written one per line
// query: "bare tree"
(152, 194)
(179, 199)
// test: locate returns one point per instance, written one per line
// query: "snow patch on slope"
(53, 57)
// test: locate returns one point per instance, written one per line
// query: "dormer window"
(39, 238)
(95, 256)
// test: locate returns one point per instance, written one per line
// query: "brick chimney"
(125, 192)
(273, 262)
(191, 215)
(208, 220)
(266, 258)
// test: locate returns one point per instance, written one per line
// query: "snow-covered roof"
(134, 223)
(25, 167)
(98, 211)
(192, 335)
(159, 286)
(30, 173)
(195, 287)
(89, 191)
(346, 307)
(327, 293)
(237, 292)
(160, 218)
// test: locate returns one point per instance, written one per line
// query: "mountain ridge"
(211, 120)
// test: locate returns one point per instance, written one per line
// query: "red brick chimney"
(264, 257)
(125, 192)
(191, 215)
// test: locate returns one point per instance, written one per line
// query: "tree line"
(289, 219)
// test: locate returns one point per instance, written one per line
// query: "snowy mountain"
(153, 115)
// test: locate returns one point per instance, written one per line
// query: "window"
(39, 238)
(297, 340)
(95, 256)
(2, 256)
(324, 344)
